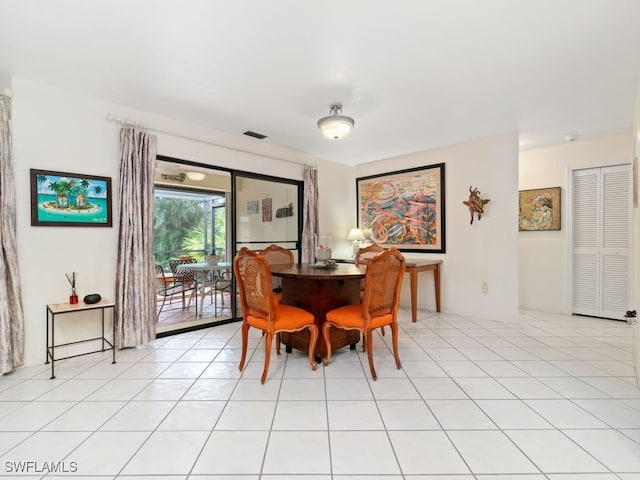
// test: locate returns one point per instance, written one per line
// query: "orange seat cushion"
(350, 316)
(288, 318)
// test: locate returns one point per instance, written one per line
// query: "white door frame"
(569, 226)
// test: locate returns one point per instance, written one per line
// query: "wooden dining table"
(319, 290)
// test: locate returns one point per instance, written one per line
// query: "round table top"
(344, 271)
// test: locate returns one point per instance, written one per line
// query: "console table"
(54, 309)
(413, 267)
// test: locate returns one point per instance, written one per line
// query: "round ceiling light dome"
(336, 125)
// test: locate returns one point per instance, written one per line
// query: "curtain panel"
(135, 277)
(11, 313)
(310, 215)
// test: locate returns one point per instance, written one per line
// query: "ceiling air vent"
(257, 135)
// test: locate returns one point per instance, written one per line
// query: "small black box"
(92, 298)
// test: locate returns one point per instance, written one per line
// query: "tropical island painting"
(70, 199)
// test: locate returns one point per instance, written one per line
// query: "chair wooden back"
(254, 282)
(367, 253)
(383, 280)
(277, 255)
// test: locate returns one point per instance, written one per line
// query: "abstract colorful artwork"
(405, 208)
(70, 199)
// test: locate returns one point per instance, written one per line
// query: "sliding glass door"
(200, 210)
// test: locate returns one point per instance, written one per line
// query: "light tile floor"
(546, 397)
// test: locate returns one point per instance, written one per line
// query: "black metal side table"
(54, 309)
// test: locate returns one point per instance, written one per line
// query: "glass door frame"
(232, 211)
(299, 184)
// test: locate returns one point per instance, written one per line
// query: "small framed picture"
(60, 199)
(252, 207)
(539, 209)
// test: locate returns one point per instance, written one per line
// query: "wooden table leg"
(413, 279)
(436, 281)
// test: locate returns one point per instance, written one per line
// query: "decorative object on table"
(323, 247)
(475, 203)
(266, 210)
(328, 264)
(252, 207)
(405, 208)
(539, 209)
(357, 236)
(212, 258)
(70, 199)
(72, 278)
(92, 298)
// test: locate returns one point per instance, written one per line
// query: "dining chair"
(277, 255)
(221, 284)
(186, 278)
(367, 253)
(260, 310)
(167, 287)
(362, 258)
(379, 306)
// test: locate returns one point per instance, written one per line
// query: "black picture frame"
(61, 199)
(404, 208)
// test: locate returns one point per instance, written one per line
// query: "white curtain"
(135, 278)
(310, 215)
(11, 313)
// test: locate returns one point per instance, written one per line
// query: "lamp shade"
(355, 234)
(336, 125)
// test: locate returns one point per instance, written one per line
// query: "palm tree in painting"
(84, 182)
(97, 189)
(54, 187)
(41, 178)
(62, 189)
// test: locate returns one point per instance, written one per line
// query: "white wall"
(54, 129)
(542, 256)
(59, 130)
(484, 251)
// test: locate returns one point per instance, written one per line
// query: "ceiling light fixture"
(335, 125)
(196, 176)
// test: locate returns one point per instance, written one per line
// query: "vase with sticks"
(72, 277)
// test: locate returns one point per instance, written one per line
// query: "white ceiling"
(414, 74)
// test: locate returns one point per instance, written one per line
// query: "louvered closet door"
(601, 241)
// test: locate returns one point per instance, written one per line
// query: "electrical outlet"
(484, 288)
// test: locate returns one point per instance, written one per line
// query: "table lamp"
(356, 235)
